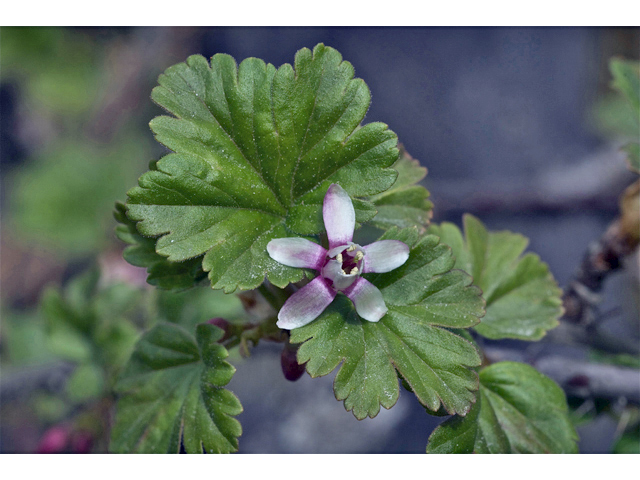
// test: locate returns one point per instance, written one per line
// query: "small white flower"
(340, 266)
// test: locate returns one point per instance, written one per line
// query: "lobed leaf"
(519, 410)
(87, 323)
(172, 392)
(141, 252)
(424, 298)
(626, 79)
(255, 149)
(523, 299)
(405, 204)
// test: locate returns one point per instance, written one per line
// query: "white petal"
(339, 216)
(306, 304)
(384, 256)
(336, 250)
(367, 299)
(297, 252)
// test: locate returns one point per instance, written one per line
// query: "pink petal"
(339, 216)
(367, 299)
(297, 252)
(384, 256)
(306, 304)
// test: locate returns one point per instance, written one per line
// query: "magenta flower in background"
(340, 267)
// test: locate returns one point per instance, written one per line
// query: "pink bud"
(290, 367)
(54, 440)
(224, 325)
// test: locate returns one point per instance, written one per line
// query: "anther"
(359, 255)
(351, 248)
(339, 258)
(353, 271)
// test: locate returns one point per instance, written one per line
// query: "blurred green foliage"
(626, 79)
(24, 340)
(94, 325)
(87, 321)
(57, 68)
(80, 156)
(64, 197)
(617, 114)
(614, 117)
(629, 442)
(61, 195)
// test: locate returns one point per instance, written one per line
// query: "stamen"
(351, 248)
(353, 271)
(339, 258)
(359, 255)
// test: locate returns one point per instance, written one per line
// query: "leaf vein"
(230, 136)
(304, 139)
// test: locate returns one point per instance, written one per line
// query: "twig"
(576, 334)
(591, 185)
(581, 297)
(586, 380)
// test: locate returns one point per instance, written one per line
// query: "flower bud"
(288, 359)
(224, 325)
(54, 440)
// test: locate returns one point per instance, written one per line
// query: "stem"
(264, 325)
(276, 298)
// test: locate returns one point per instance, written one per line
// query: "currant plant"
(270, 172)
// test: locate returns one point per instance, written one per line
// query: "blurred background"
(518, 126)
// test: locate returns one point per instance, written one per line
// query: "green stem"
(276, 298)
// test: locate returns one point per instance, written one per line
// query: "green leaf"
(458, 434)
(424, 298)
(58, 69)
(198, 305)
(63, 197)
(614, 117)
(629, 442)
(89, 323)
(141, 252)
(623, 359)
(405, 204)
(626, 79)
(24, 339)
(172, 391)
(523, 299)
(70, 319)
(255, 150)
(87, 382)
(633, 156)
(519, 410)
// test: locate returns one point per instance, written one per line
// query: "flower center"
(344, 265)
(351, 259)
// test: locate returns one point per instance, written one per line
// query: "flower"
(340, 267)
